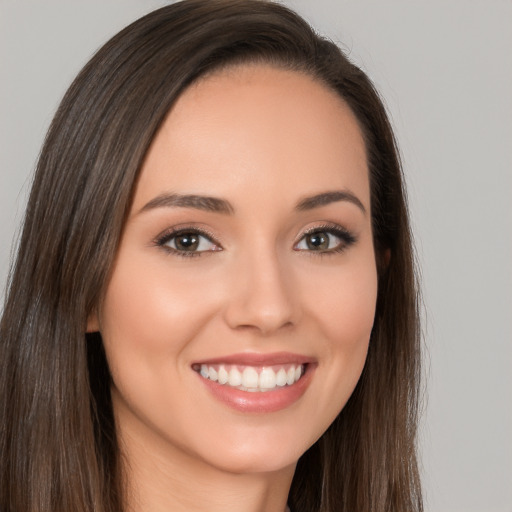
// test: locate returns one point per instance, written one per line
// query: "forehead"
(257, 126)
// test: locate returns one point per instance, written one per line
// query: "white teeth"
(223, 375)
(267, 378)
(249, 379)
(281, 377)
(235, 377)
(290, 376)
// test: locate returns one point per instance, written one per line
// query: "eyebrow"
(209, 204)
(217, 205)
(309, 203)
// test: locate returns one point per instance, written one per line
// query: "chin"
(250, 462)
(266, 451)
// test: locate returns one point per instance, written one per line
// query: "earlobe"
(383, 258)
(93, 324)
(386, 258)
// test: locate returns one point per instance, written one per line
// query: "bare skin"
(248, 249)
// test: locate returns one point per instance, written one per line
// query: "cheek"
(345, 306)
(147, 320)
(148, 316)
(345, 311)
(145, 301)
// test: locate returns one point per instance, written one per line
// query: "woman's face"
(237, 318)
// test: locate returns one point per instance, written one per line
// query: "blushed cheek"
(347, 308)
(133, 313)
(150, 310)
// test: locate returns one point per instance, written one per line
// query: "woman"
(214, 302)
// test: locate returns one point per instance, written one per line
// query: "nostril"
(262, 297)
(263, 327)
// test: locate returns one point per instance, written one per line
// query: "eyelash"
(172, 233)
(346, 237)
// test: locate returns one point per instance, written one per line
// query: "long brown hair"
(58, 447)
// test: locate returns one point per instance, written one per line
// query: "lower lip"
(260, 401)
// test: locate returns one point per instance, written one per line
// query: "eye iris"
(318, 241)
(187, 242)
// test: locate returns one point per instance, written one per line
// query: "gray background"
(445, 70)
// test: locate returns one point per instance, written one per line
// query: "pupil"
(317, 241)
(187, 242)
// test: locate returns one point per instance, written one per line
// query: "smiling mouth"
(252, 378)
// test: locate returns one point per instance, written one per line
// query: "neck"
(160, 477)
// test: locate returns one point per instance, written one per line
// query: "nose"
(262, 295)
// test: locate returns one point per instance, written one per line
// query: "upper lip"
(259, 359)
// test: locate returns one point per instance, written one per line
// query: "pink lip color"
(254, 359)
(257, 401)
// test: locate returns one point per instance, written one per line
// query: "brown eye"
(318, 241)
(186, 242)
(326, 240)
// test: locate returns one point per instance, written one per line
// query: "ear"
(386, 258)
(383, 259)
(93, 324)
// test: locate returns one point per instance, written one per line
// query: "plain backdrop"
(444, 68)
